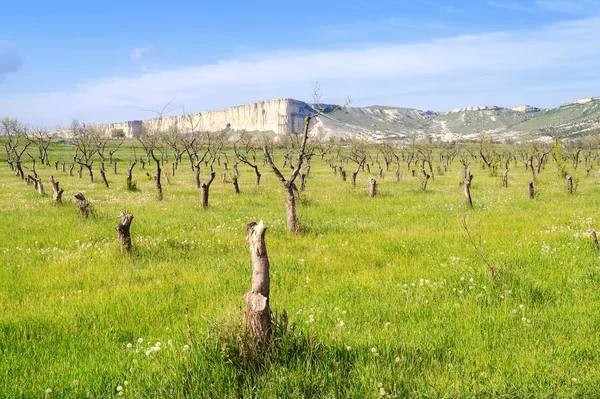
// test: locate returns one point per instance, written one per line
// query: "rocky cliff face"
(280, 116)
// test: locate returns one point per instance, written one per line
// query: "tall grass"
(382, 296)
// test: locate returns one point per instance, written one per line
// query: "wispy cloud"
(139, 52)
(511, 5)
(503, 67)
(578, 7)
(10, 59)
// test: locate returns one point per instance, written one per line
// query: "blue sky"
(108, 61)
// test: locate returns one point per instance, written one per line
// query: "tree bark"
(103, 175)
(465, 185)
(56, 191)
(123, 231)
(129, 175)
(373, 187)
(257, 318)
(205, 187)
(84, 205)
(236, 186)
(424, 182)
(290, 208)
(531, 190)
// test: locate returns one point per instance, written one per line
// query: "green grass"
(420, 314)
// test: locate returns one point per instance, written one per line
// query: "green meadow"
(375, 297)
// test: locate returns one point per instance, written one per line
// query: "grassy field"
(376, 297)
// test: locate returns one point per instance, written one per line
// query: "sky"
(111, 61)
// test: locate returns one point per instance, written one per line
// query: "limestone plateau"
(573, 120)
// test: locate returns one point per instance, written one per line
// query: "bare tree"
(15, 143)
(245, 151)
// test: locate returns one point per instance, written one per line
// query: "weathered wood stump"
(123, 231)
(505, 178)
(84, 205)
(257, 318)
(372, 187)
(39, 185)
(465, 186)
(56, 191)
(569, 184)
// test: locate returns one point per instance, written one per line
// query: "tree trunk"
(505, 178)
(290, 207)
(115, 168)
(465, 185)
(197, 174)
(373, 187)
(257, 318)
(123, 231)
(569, 184)
(84, 205)
(531, 190)
(63, 166)
(424, 182)
(257, 176)
(167, 178)
(302, 181)
(236, 186)
(343, 173)
(129, 175)
(56, 191)
(71, 169)
(103, 174)
(205, 188)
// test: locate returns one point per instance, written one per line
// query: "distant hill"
(573, 120)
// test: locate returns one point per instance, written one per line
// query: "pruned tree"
(15, 143)
(86, 140)
(245, 151)
(42, 138)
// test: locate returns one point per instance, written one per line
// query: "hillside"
(521, 123)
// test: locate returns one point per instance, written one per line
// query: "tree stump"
(123, 231)
(531, 190)
(115, 168)
(257, 318)
(84, 205)
(569, 184)
(71, 169)
(465, 185)
(373, 187)
(505, 178)
(56, 191)
(343, 173)
(40, 186)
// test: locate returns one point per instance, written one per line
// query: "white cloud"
(439, 74)
(139, 52)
